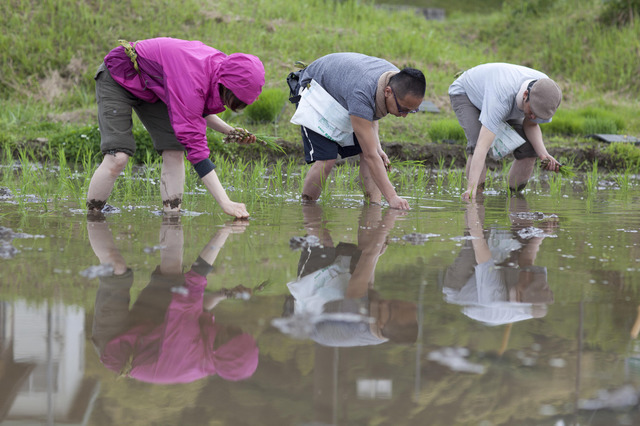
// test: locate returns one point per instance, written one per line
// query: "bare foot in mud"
(306, 199)
(95, 205)
(172, 206)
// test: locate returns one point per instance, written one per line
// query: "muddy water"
(510, 311)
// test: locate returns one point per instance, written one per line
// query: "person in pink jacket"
(176, 87)
(169, 334)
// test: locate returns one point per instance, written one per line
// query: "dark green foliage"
(625, 153)
(620, 12)
(76, 142)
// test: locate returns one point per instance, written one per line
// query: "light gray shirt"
(492, 88)
(351, 79)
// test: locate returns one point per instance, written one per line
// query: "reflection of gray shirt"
(492, 88)
(351, 79)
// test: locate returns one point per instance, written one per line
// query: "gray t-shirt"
(492, 88)
(351, 79)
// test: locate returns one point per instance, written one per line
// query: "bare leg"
(103, 245)
(520, 173)
(315, 224)
(104, 178)
(171, 243)
(371, 191)
(172, 180)
(481, 178)
(316, 176)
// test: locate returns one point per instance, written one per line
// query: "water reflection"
(333, 300)
(494, 276)
(169, 335)
(42, 363)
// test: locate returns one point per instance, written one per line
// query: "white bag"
(320, 112)
(505, 142)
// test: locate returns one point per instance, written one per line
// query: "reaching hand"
(240, 136)
(238, 210)
(385, 159)
(237, 226)
(549, 163)
(398, 203)
(469, 195)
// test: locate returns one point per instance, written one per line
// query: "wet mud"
(173, 203)
(95, 205)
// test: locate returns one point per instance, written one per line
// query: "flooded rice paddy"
(514, 310)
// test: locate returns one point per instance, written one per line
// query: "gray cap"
(544, 98)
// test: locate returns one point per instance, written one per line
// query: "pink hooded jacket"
(180, 350)
(185, 75)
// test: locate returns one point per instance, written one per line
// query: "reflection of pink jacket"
(185, 75)
(180, 350)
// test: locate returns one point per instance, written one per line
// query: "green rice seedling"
(623, 180)
(341, 175)
(446, 130)
(616, 123)
(489, 180)
(564, 170)
(455, 178)
(67, 179)
(555, 184)
(440, 175)
(592, 179)
(291, 170)
(258, 175)
(593, 125)
(421, 179)
(239, 134)
(276, 179)
(267, 107)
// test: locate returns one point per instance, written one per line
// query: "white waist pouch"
(320, 112)
(505, 142)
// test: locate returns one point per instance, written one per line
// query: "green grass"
(50, 49)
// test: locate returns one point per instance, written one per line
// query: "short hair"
(231, 100)
(409, 81)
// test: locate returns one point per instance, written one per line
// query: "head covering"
(243, 74)
(544, 98)
(498, 314)
(237, 359)
(339, 333)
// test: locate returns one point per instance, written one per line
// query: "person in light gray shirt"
(368, 88)
(488, 95)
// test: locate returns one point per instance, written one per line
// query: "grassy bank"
(50, 49)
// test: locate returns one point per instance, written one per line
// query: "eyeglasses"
(529, 86)
(400, 109)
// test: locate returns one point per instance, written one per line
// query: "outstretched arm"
(212, 183)
(534, 134)
(367, 133)
(219, 125)
(475, 225)
(372, 235)
(210, 251)
(209, 254)
(485, 139)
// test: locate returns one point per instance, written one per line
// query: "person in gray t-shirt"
(488, 95)
(368, 88)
